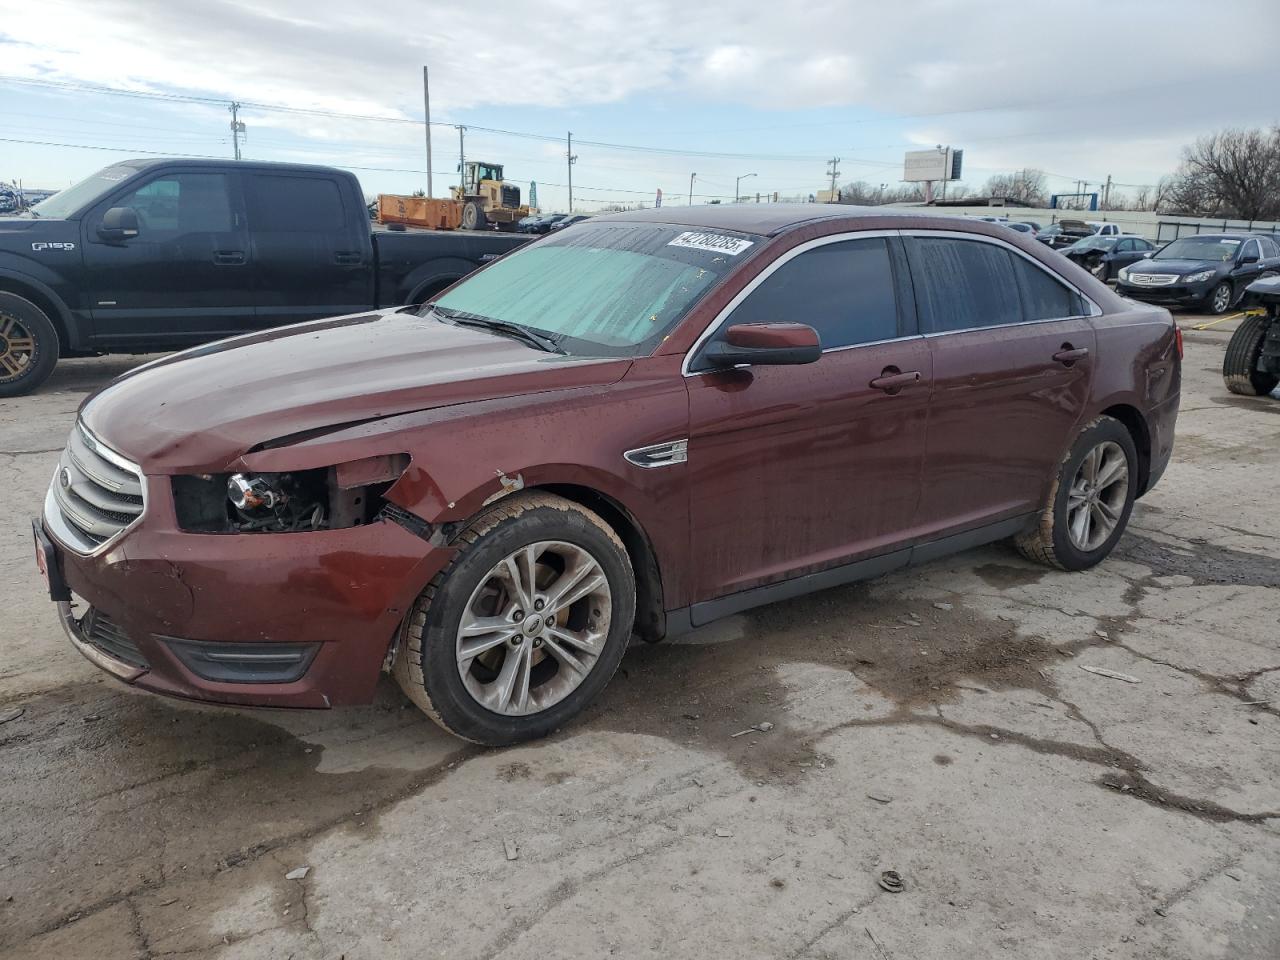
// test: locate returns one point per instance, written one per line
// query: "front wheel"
(524, 627)
(1240, 364)
(28, 346)
(1219, 299)
(1091, 499)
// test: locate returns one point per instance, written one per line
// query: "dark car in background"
(540, 224)
(1209, 271)
(1105, 256)
(628, 428)
(569, 221)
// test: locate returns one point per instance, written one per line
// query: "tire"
(1219, 299)
(473, 217)
(460, 695)
(28, 346)
(1052, 541)
(1240, 365)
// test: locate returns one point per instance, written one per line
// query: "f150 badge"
(55, 245)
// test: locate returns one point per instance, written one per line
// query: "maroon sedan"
(631, 427)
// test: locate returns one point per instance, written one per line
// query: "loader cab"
(476, 172)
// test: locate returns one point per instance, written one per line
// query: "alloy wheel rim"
(17, 348)
(1221, 298)
(1097, 496)
(534, 628)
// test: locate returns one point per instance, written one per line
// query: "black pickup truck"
(151, 255)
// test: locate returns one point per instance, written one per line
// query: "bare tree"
(865, 194)
(1232, 173)
(1026, 187)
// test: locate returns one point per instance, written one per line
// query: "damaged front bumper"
(278, 620)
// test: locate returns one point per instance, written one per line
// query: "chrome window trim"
(1244, 252)
(714, 326)
(60, 529)
(764, 275)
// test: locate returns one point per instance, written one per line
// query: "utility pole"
(569, 156)
(462, 156)
(691, 176)
(736, 183)
(237, 127)
(1106, 194)
(426, 111)
(833, 174)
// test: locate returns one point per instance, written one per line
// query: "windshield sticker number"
(714, 242)
(1230, 243)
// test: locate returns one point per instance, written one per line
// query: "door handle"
(1069, 354)
(892, 380)
(228, 257)
(347, 259)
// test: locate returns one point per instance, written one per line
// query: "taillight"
(1177, 336)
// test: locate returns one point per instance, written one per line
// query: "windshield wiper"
(526, 334)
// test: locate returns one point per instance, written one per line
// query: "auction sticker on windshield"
(715, 242)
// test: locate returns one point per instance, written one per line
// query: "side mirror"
(1248, 258)
(118, 224)
(765, 344)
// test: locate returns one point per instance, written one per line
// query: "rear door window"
(962, 284)
(844, 290)
(294, 204)
(1045, 298)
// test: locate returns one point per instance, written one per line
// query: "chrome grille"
(109, 637)
(1153, 279)
(95, 496)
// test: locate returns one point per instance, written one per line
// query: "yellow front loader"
(485, 199)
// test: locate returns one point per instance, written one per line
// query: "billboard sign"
(920, 166)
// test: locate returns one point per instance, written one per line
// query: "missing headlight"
(324, 498)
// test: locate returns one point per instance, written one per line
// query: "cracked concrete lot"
(937, 722)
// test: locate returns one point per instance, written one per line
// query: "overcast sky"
(1080, 90)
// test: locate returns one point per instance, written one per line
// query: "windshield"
(1200, 248)
(66, 202)
(603, 289)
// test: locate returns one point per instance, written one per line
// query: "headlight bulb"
(247, 492)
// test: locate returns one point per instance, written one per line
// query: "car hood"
(1174, 266)
(200, 410)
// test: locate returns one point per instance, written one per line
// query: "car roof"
(770, 219)
(1221, 236)
(222, 165)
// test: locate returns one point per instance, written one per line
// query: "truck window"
(181, 203)
(294, 204)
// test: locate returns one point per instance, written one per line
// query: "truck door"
(311, 249)
(185, 277)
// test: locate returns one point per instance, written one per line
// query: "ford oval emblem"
(64, 478)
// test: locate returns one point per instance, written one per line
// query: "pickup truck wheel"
(1089, 505)
(1240, 365)
(524, 627)
(28, 346)
(1220, 298)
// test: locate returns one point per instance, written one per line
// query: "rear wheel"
(1090, 502)
(525, 626)
(1240, 365)
(28, 346)
(1219, 299)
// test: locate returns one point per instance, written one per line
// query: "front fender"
(22, 274)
